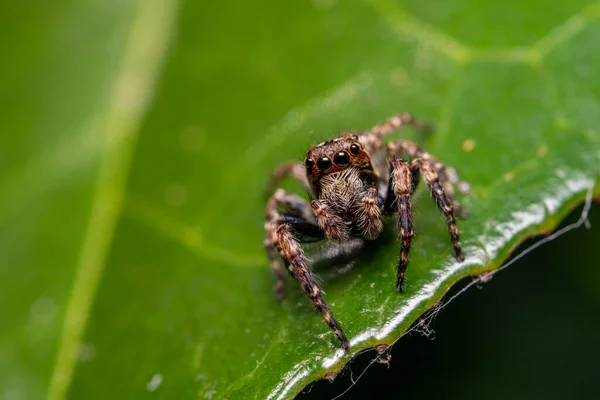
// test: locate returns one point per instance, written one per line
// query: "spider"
(354, 180)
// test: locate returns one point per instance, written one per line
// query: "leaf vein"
(427, 35)
(186, 236)
(132, 94)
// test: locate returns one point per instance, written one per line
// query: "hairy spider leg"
(403, 182)
(297, 265)
(398, 121)
(431, 178)
(289, 169)
(278, 286)
(295, 206)
(284, 233)
(401, 147)
(402, 187)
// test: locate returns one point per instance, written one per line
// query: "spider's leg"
(283, 233)
(398, 121)
(431, 177)
(402, 187)
(279, 286)
(446, 176)
(297, 265)
(295, 206)
(291, 169)
(369, 215)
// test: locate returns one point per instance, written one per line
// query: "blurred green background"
(136, 138)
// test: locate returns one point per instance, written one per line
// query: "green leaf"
(137, 137)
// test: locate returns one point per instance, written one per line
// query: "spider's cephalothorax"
(354, 180)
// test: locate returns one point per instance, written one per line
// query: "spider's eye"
(354, 148)
(342, 158)
(309, 162)
(324, 163)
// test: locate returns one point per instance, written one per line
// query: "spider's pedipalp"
(402, 187)
(369, 215)
(330, 222)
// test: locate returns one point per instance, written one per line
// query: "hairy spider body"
(354, 181)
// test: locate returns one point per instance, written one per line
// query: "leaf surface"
(134, 166)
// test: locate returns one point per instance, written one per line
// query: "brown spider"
(354, 180)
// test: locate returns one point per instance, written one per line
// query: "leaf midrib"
(145, 51)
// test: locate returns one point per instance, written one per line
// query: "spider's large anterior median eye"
(341, 158)
(309, 162)
(324, 163)
(354, 148)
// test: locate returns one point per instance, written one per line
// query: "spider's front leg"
(284, 233)
(297, 265)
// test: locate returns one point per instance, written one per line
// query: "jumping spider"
(354, 181)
